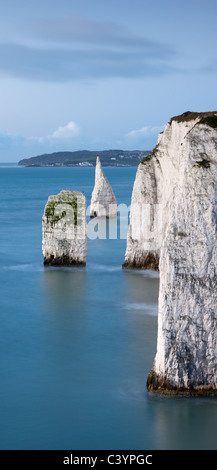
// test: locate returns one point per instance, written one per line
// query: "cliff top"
(209, 117)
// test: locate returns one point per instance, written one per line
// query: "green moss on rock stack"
(64, 229)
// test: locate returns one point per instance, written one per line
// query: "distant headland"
(86, 158)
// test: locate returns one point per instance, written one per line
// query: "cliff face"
(156, 178)
(103, 200)
(64, 230)
(181, 177)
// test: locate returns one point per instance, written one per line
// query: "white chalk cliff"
(64, 229)
(180, 179)
(103, 201)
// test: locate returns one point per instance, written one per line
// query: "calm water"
(77, 344)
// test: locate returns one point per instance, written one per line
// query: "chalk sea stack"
(64, 230)
(180, 178)
(103, 201)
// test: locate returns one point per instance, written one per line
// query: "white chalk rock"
(64, 229)
(152, 195)
(103, 200)
(180, 177)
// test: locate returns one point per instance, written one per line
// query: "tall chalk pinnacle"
(103, 200)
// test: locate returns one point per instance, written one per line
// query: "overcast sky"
(81, 74)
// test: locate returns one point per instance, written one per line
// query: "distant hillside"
(87, 158)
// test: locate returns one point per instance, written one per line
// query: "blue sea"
(77, 344)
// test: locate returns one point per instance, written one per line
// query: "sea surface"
(77, 344)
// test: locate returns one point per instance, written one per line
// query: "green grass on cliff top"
(210, 121)
(209, 118)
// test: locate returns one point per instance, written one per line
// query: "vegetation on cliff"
(87, 158)
(206, 117)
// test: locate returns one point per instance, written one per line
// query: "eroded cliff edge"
(180, 177)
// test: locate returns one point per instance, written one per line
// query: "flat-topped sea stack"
(103, 200)
(180, 178)
(64, 230)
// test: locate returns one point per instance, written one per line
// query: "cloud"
(15, 146)
(144, 138)
(211, 67)
(68, 132)
(145, 131)
(10, 139)
(76, 48)
(63, 64)
(75, 29)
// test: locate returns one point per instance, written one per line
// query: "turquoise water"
(77, 345)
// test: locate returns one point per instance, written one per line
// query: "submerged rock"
(103, 200)
(64, 229)
(180, 177)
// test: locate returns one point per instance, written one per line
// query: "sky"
(97, 75)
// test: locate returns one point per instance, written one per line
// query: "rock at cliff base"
(64, 230)
(103, 200)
